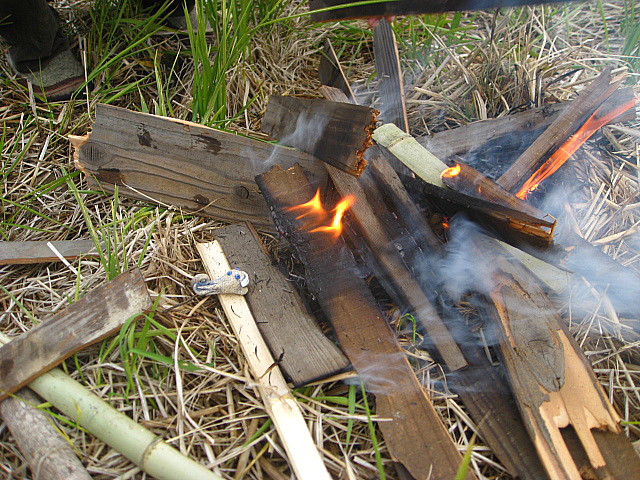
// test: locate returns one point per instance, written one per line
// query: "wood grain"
(182, 164)
(414, 432)
(21, 253)
(280, 404)
(95, 316)
(389, 74)
(304, 353)
(334, 132)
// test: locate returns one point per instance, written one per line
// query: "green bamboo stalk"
(135, 442)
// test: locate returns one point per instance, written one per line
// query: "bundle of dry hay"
(500, 61)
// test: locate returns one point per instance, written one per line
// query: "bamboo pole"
(304, 457)
(132, 440)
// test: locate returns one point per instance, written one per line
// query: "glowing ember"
(451, 171)
(313, 206)
(570, 146)
(336, 225)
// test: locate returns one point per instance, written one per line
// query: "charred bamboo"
(416, 436)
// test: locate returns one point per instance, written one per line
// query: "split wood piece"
(484, 392)
(553, 383)
(303, 455)
(336, 133)
(48, 454)
(429, 168)
(321, 10)
(467, 180)
(22, 253)
(177, 163)
(330, 72)
(304, 353)
(560, 130)
(388, 256)
(509, 131)
(95, 316)
(414, 432)
(389, 74)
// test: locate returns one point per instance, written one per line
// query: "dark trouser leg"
(175, 6)
(32, 30)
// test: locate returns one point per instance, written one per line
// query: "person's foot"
(55, 79)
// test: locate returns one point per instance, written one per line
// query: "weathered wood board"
(182, 164)
(95, 316)
(415, 435)
(389, 74)
(21, 253)
(330, 71)
(334, 132)
(304, 353)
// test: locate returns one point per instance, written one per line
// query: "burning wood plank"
(568, 122)
(389, 75)
(177, 163)
(555, 388)
(22, 253)
(521, 224)
(305, 354)
(415, 435)
(283, 409)
(336, 133)
(92, 318)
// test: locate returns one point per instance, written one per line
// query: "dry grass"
(503, 61)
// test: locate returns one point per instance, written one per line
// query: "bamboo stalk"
(135, 442)
(304, 457)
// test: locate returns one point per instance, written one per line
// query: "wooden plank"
(304, 353)
(403, 7)
(415, 434)
(551, 378)
(559, 131)
(330, 71)
(95, 316)
(22, 253)
(182, 164)
(334, 132)
(389, 74)
(303, 456)
(48, 454)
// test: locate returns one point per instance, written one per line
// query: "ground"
(459, 68)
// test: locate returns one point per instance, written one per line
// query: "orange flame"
(318, 215)
(451, 171)
(574, 142)
(336, 224)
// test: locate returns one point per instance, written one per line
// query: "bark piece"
(330, 72)
(95, 316)
(48, 454)
(283, 409)
(390, 83)
(552, 380)
(22, 253)
(415, 435)
(305, 354)
(179, 163)
(336, 133)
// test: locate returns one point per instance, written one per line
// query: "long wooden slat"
(403, 7)
(389, 74)
(283, 409)
(414, 433)
(330, 71)
(182, 164)
(334, 132)
(304, 353)
(95, 316)
(21, 253)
